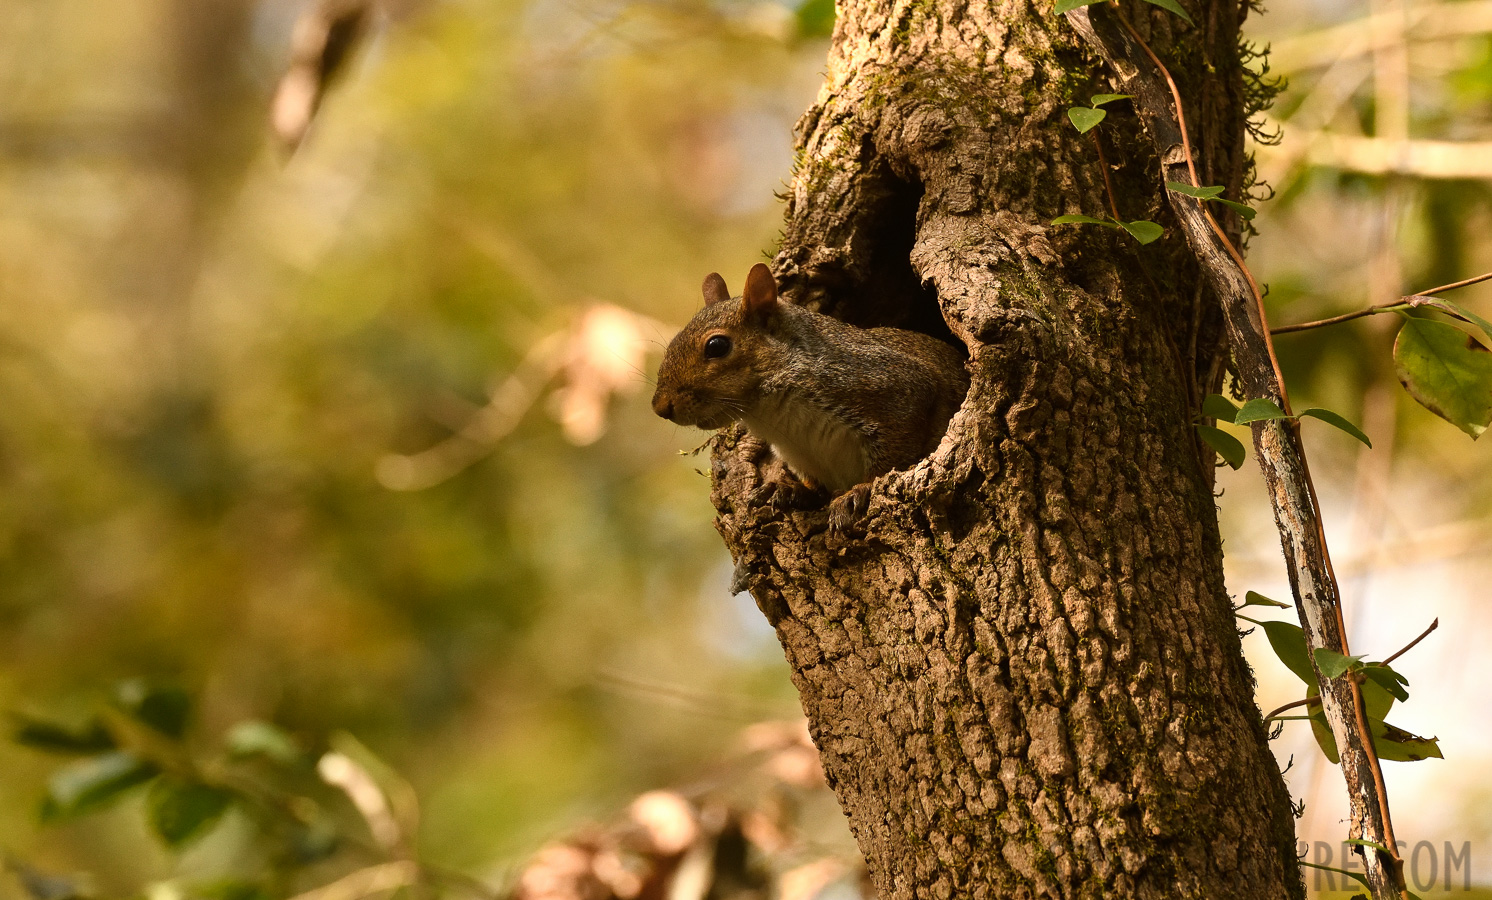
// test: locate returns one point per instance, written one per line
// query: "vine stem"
(1108, 183)
(1410, 646)
(1459, 284)
(1344, 317)
(1191, 169)
(1291, 705)
(1408, 301)
(1317, 700)
(1280, 449)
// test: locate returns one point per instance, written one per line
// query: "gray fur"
(839, 404)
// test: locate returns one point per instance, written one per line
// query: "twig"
(272, 802)
(1278, 446)
(1108, 184)
(1336, 320)
(725, 706)
(1191, 169)
(1291, 705)
(1458, 284)
(1410, 646)
(1408, 301)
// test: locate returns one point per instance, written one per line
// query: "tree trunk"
(1025, 677)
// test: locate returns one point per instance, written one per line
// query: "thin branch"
(1191, 168)
(1456, 284)
(1410, 646)
(1279, 449)
(1408, 301)
(1337, 320)
(1108, 183)
(1365, 734)
(1291, 705)
(490, 424)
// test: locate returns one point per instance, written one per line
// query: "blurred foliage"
(212, 348)
(278, 818)
(207, 347)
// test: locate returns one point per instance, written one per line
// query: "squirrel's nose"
(663, 406)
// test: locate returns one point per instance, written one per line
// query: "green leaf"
(1084, 220)
(1219, 407)
(1144, 230)
(1384, 667)
(1212, 192)
(1332, 663)
(1201, 193)
(1100, 99)
(1447, 372)
(1254, 598)
(1247, 212)
(1085, 119)
(1398, 745)
(1174, 7)
(1327, 741)
(93, 782)
(1457, 311)
(1260, 409)
(1362, 842)
(815, 19)
(255, 738)
(1388, 679)
(180, 811)
(1332, 418)
(1390, 743)
(1226, 445)
(1069, 5)
(1289, 644)
(166, 709)
(1376, 701)
(54, 737)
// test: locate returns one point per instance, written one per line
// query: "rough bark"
(1025, 678)
(1278, 449)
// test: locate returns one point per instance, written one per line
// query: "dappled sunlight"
(326, 337)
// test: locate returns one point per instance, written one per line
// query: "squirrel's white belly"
(810, 440)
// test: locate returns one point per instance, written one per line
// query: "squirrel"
(839, 405)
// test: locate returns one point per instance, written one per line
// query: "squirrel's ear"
(760, 296)
(715, 289)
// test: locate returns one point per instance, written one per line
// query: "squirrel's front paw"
(846, 510)
(785, 494)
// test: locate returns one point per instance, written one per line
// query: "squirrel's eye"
(717, 346)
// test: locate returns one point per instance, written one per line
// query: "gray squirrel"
(838, 404)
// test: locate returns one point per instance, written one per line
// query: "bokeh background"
(352, 437)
